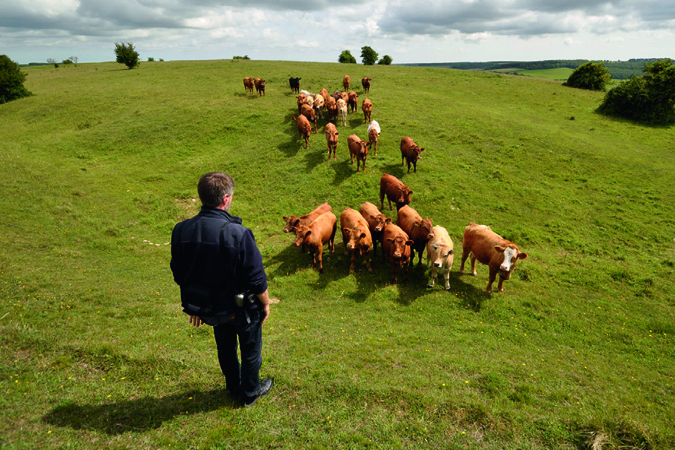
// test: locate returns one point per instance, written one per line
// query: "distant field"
(560, 74)
(100, 163)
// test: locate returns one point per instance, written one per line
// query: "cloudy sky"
(318, 30)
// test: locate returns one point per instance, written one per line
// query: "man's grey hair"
(213, 187)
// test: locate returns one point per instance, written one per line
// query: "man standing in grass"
(215, 261)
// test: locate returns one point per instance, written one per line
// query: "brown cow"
(301, 100)
(259, 86)
(344, 96)
(397, 245)
(374, 135)
(308, 112)
(345, 82)
(332, 108)
(365, 82)
(353, 102)
(440, 254)
(324, 93)
(486, 246)
(315, 235)
(356, 236)
(376, 222)
(292, 222)
(331, 139)
(395, 190)
(367, 107)
(248, 85)
(410, 152)
(304, 127)
(358, 149)
(418, 229)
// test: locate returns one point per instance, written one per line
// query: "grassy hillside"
(101, 162)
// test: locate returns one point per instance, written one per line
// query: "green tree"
(11, 81)
(386, 60)
(649, 98)
(127, 55)
(591, 76)
(368, 56)
(346, 57)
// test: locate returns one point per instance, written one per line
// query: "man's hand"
(195, 321)
(265, 300)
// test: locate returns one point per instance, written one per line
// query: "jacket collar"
(219, 214)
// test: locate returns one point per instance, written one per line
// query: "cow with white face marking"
(440, 254)
(486, 246)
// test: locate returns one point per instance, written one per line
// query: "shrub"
(591, 76)
(649, 98)
(368, 56)
(11, 81)
(126, 54)
(346, 57)
(150, 59)
(386, 60)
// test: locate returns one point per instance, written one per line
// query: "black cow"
(295, 84)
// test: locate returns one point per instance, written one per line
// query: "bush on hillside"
(591, 76)
(649, 98)
(386, 60)
(346, 57)
(127, 55)
(11, 81)
(368, 56)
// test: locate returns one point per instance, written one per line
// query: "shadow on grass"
(143, 414)
(396, 170)
(243, 95)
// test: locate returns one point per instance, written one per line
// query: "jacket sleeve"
(251, 268)
(175, 264)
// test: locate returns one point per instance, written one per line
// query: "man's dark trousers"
(241, 380)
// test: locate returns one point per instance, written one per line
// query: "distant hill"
(620, 70)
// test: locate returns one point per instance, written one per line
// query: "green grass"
(101, 162)
(560, 74)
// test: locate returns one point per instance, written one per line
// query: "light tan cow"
(440, 254)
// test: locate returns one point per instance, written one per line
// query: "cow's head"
(353, 236)
(302, 232)
(404, 197)
(426, 226)
(291, 223)
(511, 255)
(400, 248)
(416, 152)
(443, 255)
(302, 98)
(382, 221)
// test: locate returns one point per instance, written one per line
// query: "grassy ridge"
(101, 162)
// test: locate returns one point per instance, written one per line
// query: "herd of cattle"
(363, 229)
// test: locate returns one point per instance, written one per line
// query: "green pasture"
(559, 74)
(100, 163)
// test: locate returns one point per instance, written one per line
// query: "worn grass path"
(101, 162)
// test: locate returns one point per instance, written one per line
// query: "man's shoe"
(263, 390)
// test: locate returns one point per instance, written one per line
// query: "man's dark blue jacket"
(223, 258)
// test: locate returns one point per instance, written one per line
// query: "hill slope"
(102, 161)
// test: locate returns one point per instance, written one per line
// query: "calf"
(301, 100)
(356, 236)
(308, 112)
(248, 85)
(342, 112)
(367, 108)
(365, 82)
(345, 82)
(418, 229)
(332, 108)
(310, 101)
(345, 97)
(397, 245)
(376, 223)
(440, 254)
(486, 246)
(331, 139)
(295, 84)
(394, 190)
(318, 105)
(358, 149)
(292, 222)
(315, 235)
(374, 135)
(260, 86)
(411, 152)
(353, 101)
(304, 127)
